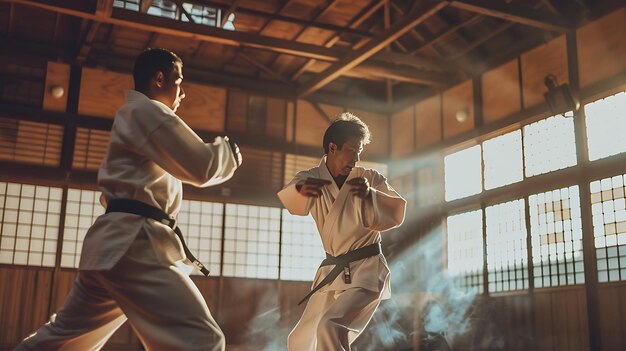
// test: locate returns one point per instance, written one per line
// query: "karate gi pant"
(332, 320)
(161, 302)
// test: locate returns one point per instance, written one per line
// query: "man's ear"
(159, 78)
(332, 147)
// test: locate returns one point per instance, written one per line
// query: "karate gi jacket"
(151, 153)
(346, 223)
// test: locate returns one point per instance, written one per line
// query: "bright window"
(29, 225)
(251, 241)
(429, 186)
(132, 5)
(507, 253)
(201, 225)
(202, 14)
(82, 209)
(163, 8)
(301, 248)
(463, 173)
(557, 238)
(606, 122)
(465, 249)
(549, 145)
(503, 160)
(608, 207)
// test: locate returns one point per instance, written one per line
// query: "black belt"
(341, 263)
(145, 210)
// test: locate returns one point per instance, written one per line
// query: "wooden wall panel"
(276, 117)
(210, 288)
(379, 128)
(237, 112)
(243, 322)
(402, 132)
(458, 98)
(602, 48)
(549, 58)
(23, 302)
(501, 92)
(204, 107)
(63, 281)
(512, 322)
(561, 319)
(102, 92)
(311, 124)
(428, 122)
(289, 123)
(612, 306)
(58, 74)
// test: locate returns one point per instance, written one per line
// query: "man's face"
(345, 158)
(171, 92)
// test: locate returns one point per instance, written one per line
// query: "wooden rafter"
(453, 29)
(501, 28)
(131, 19)
(354, 58)
(414, 32)
(321, 13)
(180, 29)
(290, 19)
(263, 68)
(357, 21)
(516, 14)
(86, 41)
(403, 74)
(255, 63)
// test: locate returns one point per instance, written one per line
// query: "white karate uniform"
(134, 267)
(337, 313)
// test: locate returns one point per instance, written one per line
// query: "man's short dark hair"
(151, 61)
(345, 127)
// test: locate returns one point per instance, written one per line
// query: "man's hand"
(360, 187)
(312, 187)
(236, 153)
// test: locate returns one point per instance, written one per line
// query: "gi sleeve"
(294, 202)
(177, 149)
(386, 209)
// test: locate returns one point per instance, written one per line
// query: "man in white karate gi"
(351, 206)
(134, 264)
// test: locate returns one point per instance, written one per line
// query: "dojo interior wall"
(499, 101)
(411, 141)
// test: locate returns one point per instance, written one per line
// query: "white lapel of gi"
(339, 196)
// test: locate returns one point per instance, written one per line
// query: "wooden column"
(589, 252)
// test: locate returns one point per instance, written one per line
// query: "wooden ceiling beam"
(135, 20)
(321, 13)
(413, 61)
(493, 33)
(416, 34)
(516, 14)
(263, 68)
(403, 74)
(354, 23)
(290, 19)
(86, 41)
(131, 19)
(416, 16)
(124, 64)
(448, 32)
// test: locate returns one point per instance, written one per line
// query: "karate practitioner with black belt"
(134, 263)
(351, 205)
